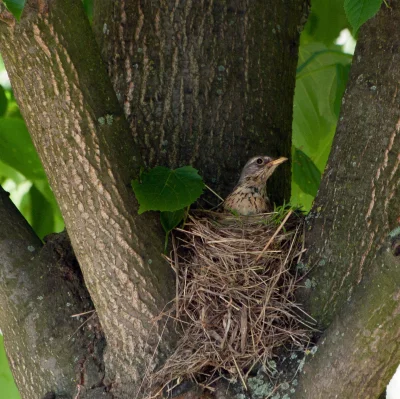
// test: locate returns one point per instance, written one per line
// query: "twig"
(81, 326)
(274, 235)
(176, 261)
(217, 195)
(81, 314)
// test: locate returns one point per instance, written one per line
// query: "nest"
(235, 280)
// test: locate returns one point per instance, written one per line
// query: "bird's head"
(258, 169)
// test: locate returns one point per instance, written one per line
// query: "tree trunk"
(89, 163)
(41, 287)
(211, 93)
(205, 83)
(354, 241)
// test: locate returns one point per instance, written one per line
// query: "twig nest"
(235, 278)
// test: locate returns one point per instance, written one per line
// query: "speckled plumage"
(250, 195)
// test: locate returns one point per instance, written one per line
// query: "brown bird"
(250, 194)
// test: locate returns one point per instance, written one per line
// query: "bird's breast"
(247, 200)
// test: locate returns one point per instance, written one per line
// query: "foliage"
(321, 79)
(164, 189)
(320, 83)
(17, 150)
(360, 11)
(305, 173)
(3, 101)
(21, 172)
(15, 7)
(326, 20)
(7, 385)
(169, 191)
(88, 6)
(170, 220)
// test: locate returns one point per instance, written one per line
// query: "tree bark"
(40, 289)
(83, 141)
(211, 95)
(205, 83)
(358, 202)
(354, 237)
(359, 352)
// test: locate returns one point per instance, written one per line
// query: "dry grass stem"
(235, 283)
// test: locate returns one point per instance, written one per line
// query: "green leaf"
(360, 11)
(342, 75)
(42, 213)
(305, 174)
(327, 19)
(20, 196)
(15, 7)
(320, 83)
(163, 189)
(3, 101)
(44, 188)
(7, 172)
(7, 384)
(316, 92)
(169, 220)
(17, 150)
(88, 6)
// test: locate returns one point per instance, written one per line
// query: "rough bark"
(358, 203)
(211, 95)
(84, 143)
(360, 351)
(207, 83)
(354, 223)
(40, 289)
(204, 94)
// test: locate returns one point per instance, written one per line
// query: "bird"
(249, 196)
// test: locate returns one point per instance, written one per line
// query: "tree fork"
(244, 107)
(205, 83)
(83, 140)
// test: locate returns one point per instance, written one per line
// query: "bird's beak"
(278, 161)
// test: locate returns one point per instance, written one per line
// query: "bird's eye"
(259, 161)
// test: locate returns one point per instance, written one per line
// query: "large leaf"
(163, 189)
(42, 213)
(7, 172)
(88, 6)
(305, 174)
(360, 11)
(327, 19)
(3, 101)
(44, 188)
(17, 150)
(15, 7)
(169, 220)
(342, 75)
(7, 384)
(320, 83)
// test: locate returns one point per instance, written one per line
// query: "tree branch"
(360, 351)
(40, 288)
(84, 143)
(358, 203)
(357, 208)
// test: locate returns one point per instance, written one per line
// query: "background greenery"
(324, 62)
